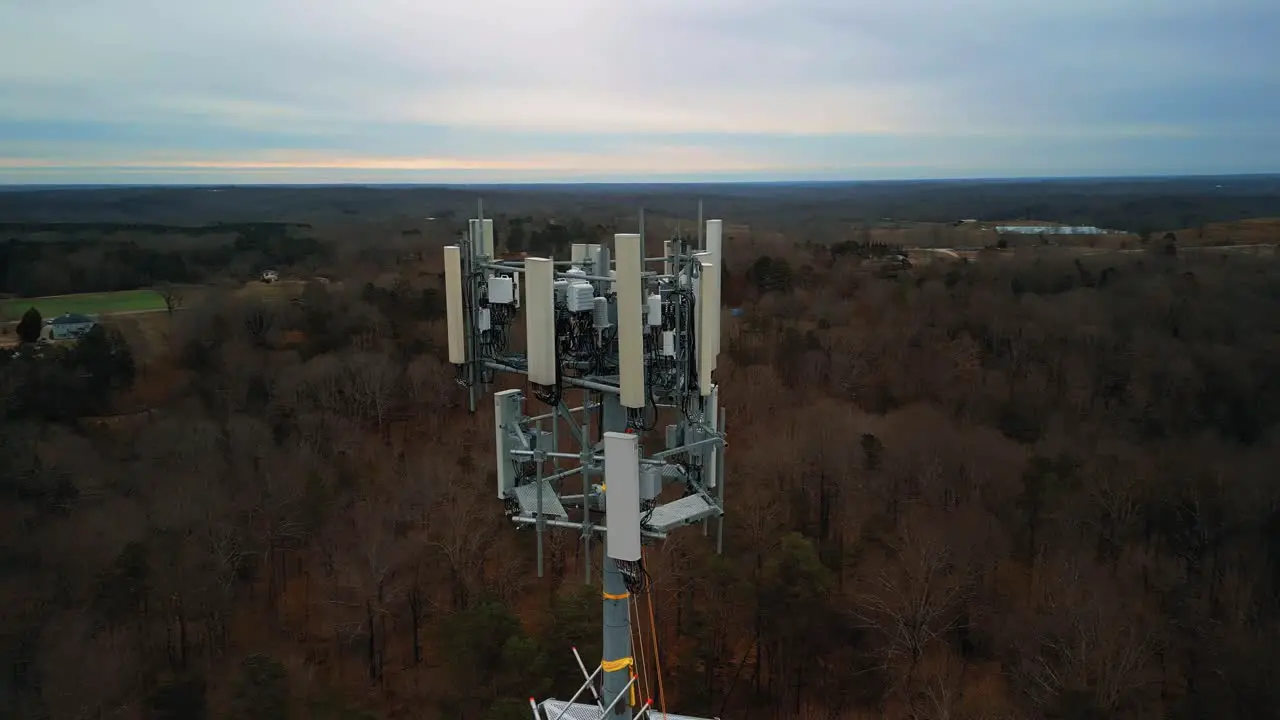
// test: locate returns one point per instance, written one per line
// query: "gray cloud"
(976, 83)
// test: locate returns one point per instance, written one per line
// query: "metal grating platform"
(527, 497)
(672, 515)
(672, 471)
(580, 711)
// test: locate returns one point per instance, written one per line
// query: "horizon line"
(13, 186)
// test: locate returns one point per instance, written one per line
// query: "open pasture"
(105, 303)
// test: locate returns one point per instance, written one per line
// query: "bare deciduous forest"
(1031, 486)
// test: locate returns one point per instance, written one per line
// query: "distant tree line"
(31, 268)
(547, 236)
(1134, 204)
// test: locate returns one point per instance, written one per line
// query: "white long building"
(1055, 230)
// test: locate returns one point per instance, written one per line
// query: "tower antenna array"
(633, 341)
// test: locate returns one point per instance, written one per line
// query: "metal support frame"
(599, 411)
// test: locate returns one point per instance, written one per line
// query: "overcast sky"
(504, 90)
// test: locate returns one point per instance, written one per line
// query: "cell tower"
(637, 339)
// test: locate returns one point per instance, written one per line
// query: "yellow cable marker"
(616, 665)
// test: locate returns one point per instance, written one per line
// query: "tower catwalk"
(641, 346)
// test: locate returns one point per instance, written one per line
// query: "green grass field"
(87, 303)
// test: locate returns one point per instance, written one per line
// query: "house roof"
(72, 319)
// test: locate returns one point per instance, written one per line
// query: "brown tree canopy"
(1021, 487)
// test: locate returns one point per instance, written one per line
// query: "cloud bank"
(403, 90)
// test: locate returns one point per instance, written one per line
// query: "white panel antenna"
(622, 495)
(695, 284)
(719, 307)
(709, 328)
(453, 304)
(715, 246)
(540, 320)
(716, 312)
(715, 239)
(506, 411)
(630, 257)
(578, 254)
(667, 250)
(486, 244)
(706, 256)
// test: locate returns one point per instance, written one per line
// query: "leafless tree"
(431, 386)
(366, 553)
(372, 381)
(258, 318)
(316, 386)
(915, 597)
(462, 532)
(324, 435)
(1112, 488)
(172, 295)
(1088, 641)
(941, 686)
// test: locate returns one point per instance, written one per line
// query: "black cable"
(691, 361)
(644, 519)
(460, 376)
(635, 576)
(652, 403)
(553, 396)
